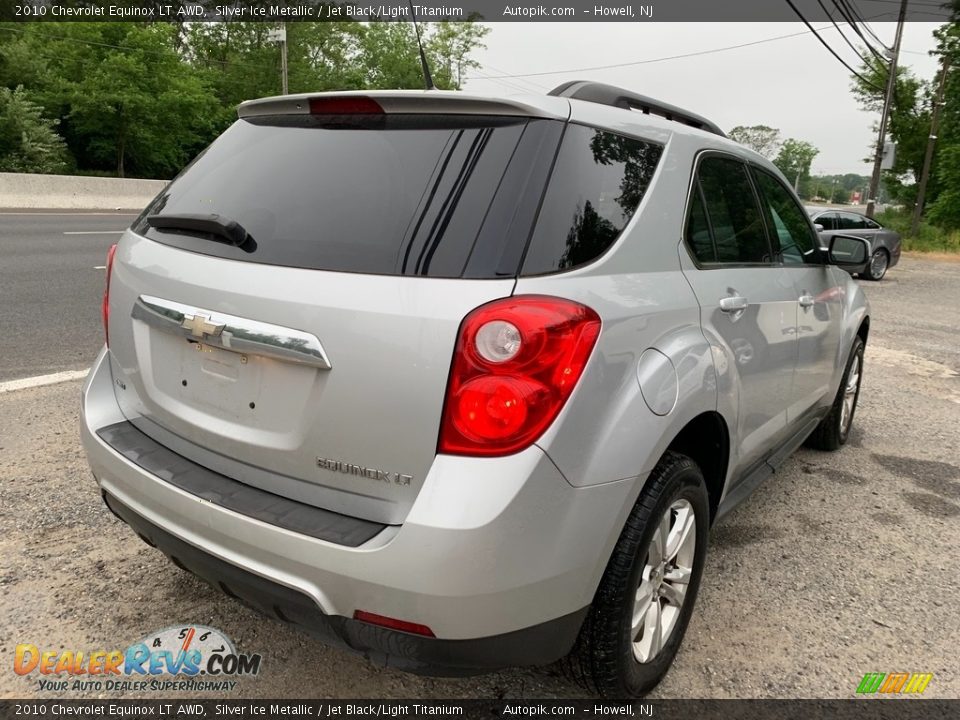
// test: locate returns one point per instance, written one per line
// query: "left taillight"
(105, 305)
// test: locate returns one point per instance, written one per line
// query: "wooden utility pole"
(931, 143)
(887, 103)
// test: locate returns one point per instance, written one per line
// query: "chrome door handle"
(734, 303)
(806, 301)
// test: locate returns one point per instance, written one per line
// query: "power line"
(830, 49)
(859, 13)
(845, 38)
(651, 60)
(848, 14)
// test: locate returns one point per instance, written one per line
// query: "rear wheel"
(834, 429)
(645, 599)
(879, 262)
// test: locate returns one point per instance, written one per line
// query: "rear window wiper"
(222, 229)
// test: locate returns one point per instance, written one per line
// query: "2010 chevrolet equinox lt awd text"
(461, 383)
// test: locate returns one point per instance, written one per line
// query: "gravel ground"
(841, 564)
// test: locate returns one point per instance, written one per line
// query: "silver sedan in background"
(884, 242)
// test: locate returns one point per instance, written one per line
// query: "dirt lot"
(841, 564)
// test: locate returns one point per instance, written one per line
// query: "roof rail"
(618, 97)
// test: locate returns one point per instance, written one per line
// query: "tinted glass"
(849, 221)
(828, 221)
(698, 231)
(394, 194)
(788, 224)
(738, 230)
(597, 183)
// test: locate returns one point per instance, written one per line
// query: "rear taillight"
(516, 362)
(105, 305)
(348, 105)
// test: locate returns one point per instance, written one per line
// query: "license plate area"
(220, 381)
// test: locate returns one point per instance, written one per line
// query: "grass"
(929, 238)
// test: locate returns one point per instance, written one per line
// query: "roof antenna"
(427, 79)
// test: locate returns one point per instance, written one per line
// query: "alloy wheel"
(664, 581)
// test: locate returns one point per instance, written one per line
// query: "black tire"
(876, 275)
(603, 658)
(829, 434)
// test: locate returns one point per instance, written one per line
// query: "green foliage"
(795, 158)
(908, 126)
(760, 138)
(141, 99)
(125, 99)
(28, 141)
(835, 188)
(929, 238)
(943, 202)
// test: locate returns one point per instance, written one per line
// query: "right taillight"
(105, 305)
(516, 362)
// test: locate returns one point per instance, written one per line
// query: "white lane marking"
(94, 232)
(99, 267)
(41, 380)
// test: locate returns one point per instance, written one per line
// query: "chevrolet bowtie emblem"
(200, 325)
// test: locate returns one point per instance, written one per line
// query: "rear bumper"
(499, 557)
(413, 653)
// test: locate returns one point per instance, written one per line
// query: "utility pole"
(280, 35)
(887, 102)
(931, 143)
(283, 56)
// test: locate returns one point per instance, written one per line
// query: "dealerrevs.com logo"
(179, 658)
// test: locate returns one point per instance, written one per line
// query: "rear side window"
(848, 221)
(828, 221)
(433, 196)
(736, 223)
(596, 186)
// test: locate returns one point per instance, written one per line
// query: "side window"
(828, 221)
(738, 232)
(698, 231)
(789, 227)
(597, 184)
(870, 224)
(849, 221)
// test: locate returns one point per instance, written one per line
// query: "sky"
(793, 84)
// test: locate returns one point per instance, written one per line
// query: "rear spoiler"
(414, 102)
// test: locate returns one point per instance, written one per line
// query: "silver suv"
(461, 383)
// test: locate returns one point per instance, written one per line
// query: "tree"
(944, 190)
(795, 158)
(125, 99)
(764, 140)
(390, 58)
(28, 141)
(909, 122)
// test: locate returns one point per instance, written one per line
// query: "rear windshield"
(436, 196)
(395, 194)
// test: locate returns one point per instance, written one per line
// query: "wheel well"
(706, 441)
(864, 329)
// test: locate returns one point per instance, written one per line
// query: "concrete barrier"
(29, 191)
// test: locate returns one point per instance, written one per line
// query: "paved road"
(50, 289)
(841, 564)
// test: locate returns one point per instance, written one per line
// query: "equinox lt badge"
(361, 471)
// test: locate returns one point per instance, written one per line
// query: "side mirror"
(818, 227)
(847, 251)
